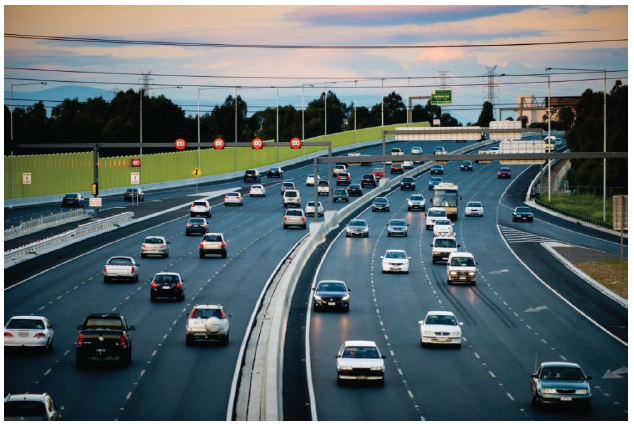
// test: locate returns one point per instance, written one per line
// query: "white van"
(461, 267)
(292, 198)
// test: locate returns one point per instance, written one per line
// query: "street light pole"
(277, 123)
(605, 126)
(355, 112)
(236, 125)
(406, 110)
(381, 103)
(303, 148)
(550, 110)
(325, 115)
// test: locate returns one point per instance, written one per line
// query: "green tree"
(314, 116)
(486, 116)
(364, 119)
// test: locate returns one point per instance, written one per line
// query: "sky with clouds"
(400, 27)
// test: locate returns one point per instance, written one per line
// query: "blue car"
(434, 181)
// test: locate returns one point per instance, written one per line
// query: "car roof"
(560, 364)
(360, 343)
(167, 273)
(154, 237)
(462, 254)
(25, 396)
(395, 250)
(330, 281)
(448, 313)
(208, 306)
(27, 317)
(214, 234)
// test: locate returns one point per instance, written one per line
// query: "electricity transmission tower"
(146, 81)
(491, 85)
(443, 79)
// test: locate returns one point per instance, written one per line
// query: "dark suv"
(104, 336)
(73, 199)
(408, 183)
(252, 175)
(167, 284)
(368, 179)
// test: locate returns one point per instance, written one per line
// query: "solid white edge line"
(236, 374)
(309, 372)
(497, 220)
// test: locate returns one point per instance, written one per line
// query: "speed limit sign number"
(257, 143)
(219, 143)
(296, 143)
(180, 144)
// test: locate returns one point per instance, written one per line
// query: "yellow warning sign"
(197, 172)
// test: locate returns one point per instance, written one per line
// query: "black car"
(368, 179)
(73, 199)
(396, 168)
(408, 183)
(437, 169)
(252, 175)
(355, 190)
(197, 225)
(104, 336)
(275, 172)
(331, 293)
(132, 194)
(522, 213)
(466, 165)
(167, 284)
(381, 204)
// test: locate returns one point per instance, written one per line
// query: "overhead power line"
(288, 46)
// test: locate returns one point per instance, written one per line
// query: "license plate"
(564, 398)
(331, 303)
(166, 287)
(361, 377)
(442, 339)
(100, 350)
(23, 334)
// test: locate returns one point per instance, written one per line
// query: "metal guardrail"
(38, 224)
(82, 230)
(575, 215)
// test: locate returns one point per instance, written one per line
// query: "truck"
(461, 267)
(352, 155)
(396, 152)
(104, 335)
(484, 160)
(443, 245)
(123, 267)
(446, 197)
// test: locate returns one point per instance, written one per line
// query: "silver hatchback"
(155, 245)
(294, 217)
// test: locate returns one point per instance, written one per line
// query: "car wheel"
(534, 400)
(126, 358)
(48, 348)
(136, 278)
(143, 256)
(304, 227)
(80, 360)
(409, 209)
(347, 308)
(224, 254)
(530, 220)
(473, 283)
(347, 235)
(339, 382)
(182, 296)
(166, 255)
(389, 234)
(424, 208)
(366, 235)
(381, 382)
(285, 226)
(189, 340)
(449, 282)
(388, 209)
(225, 340)
(152, 297)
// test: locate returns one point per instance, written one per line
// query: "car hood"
(440, 328)
(332, 294)
(360, 362)
(357, 227)
(397, 227)
(462, 268)
(395, 261)
(564, 384)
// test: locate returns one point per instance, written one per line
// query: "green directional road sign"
(441, 97)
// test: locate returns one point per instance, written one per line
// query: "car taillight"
(104, 269)
(201, 243)
(303, 219)
(193, 206)
(284, 218)
(80, 339)
(144, 246)
(222, 244)
(132, 270)
(38, 335)
(192, 314)
(153, 285)
(163, 246)
(179, 285)
(7, 334)
(122, 340)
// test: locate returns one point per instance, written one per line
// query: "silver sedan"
(155, 245)
(357, 227)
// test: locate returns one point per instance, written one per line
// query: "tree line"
(118, 121)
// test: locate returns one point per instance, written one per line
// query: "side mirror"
(79, 327)
(476, 263)
(588, 378)
(382, 356)
(337, 356)
(458, 245)
(534, 376)
(314, 288)
(349, 289)
(381, 257)
(183, 281)
(408, 225)
(431, 245)
(409, 257)
(421, 322)
(461, 323)
(131, 328)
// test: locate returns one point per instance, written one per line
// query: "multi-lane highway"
(516, 315)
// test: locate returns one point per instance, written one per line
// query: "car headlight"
(435, 252)
(472, 273)
(346, 297)
(429, 333)
(549, 391)
(582, 391)
(453, 272)
(345, 368)
(455, 333)
(376, 369)
(317, 297)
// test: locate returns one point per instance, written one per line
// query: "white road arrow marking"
(499, 272)
(537, 309)
(615, 373)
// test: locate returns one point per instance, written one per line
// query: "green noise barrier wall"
(73, 172)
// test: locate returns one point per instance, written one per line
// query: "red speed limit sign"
(136, 163)
(257, 143)
(180, 144)
(296, 143)
(219, 143)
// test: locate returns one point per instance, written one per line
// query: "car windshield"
(274, 169)
(233, 194)
(436, 179)
(323, 183)
(340, 192)
(437, 212)
(416, 197)
(154, 240)
(441, 320)
(474, 204)
(360, 352)
(294, 212)
(256, 187)
(368, 176)
(462, 262)
(25, 324)
(523, 210)
(120, 261)
(355, 186)
(446, 243)
(24, 408)
(466, 162)
(562, 373)
(399, 222)
(408, 180)
(197, 221)
(103, 324)
(332, 287)
(505, 170)
(208, 313)
(311, 203)
(439, 149)
(288, 185)
(443, 222)
(357, 223)
(213, 237)
(395, 255)
(290, 193)
(71, 195)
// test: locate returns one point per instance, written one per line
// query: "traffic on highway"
(439, 300)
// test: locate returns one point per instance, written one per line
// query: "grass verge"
(587, 205)
(610, 273)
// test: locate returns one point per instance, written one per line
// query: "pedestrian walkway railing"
(38, 224)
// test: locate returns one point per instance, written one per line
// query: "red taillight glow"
(193, 206)
(7, 334)
(179, 285)
(153, 285)
(38, 335)
(144, 246)
(132, 270)
(192, 314)
(222, 244)
(122, 340)
(80, 339)
(303, 219)
(201, 243)
(163, 246)
(104, 269)
(284, 218)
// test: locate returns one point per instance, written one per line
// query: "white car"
(360, 360)
(461, 266)
(395, 261)
(310, 208)
(323, 188)
(432, 215)
(440, 327)
(207, 322)
(310, 179)
(292, 198)
(200, 207)
(474, 209)
(443, 226)
(257, 190)
(494, 149)
(338, 169)
(416, 201)
(233, 198)
(155, 245)
(558, 141)
(29, 331)
(408, 164)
